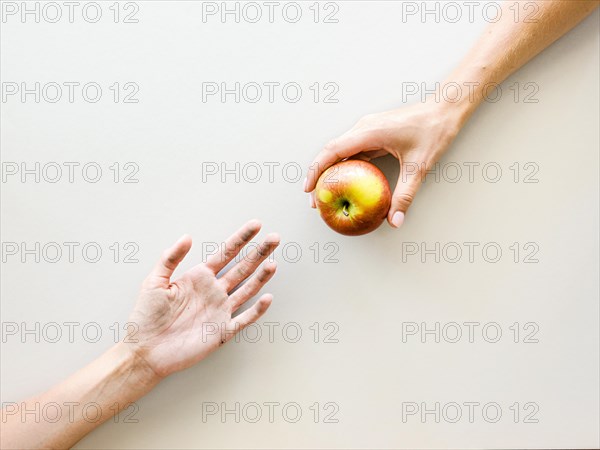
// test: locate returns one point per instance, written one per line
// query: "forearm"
(170, 336)
(508, 44)
(67, 412)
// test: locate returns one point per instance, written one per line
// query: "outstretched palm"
(179, 323)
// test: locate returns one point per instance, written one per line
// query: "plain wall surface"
(354, 300)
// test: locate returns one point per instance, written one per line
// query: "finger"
(170, 259)
(313, 203)
(369, 155)
(409, 182)
(233, 245)
(362, 156)
(252, 314)
(250, 262)
(255, 284)
(345, 146)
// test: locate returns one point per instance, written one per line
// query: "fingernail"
(305, 184)
(313, 204)
(310, 201)
(398, 219)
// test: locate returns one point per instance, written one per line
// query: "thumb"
(345, 146)
(170, 259)
(409, 182)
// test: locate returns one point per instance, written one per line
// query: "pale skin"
(172, 314)
(179, 322)
(418, 135)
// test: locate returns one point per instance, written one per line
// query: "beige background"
(369, 292)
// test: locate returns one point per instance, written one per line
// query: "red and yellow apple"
(353, 197)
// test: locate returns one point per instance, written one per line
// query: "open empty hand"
(180, 322)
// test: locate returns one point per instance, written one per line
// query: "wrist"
(453, 115)
(140, 377)
(462, 92)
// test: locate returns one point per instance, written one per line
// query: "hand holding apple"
(353, 197)
(416, 135)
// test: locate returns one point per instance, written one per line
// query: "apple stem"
(345, 210)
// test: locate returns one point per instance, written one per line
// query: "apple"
(353, 197)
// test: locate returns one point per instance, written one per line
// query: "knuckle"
(265, 273)
(246, 235)
(242, 272)
(330, 146)
(230, 251)
(168, 259)
(263, 250)
(262, 276)
(404, 199)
